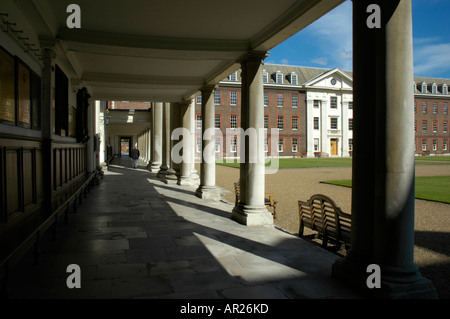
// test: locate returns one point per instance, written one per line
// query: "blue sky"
(327, 42)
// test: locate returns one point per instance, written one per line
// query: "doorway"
(333, 146)
(125, 145)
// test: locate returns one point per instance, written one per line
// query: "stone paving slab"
(137, 237)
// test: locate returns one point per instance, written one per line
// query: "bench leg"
(324, 242)
(301, 229)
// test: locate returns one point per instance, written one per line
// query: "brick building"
(431, 102)
(313, 110)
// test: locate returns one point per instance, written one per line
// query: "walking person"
(135, 156)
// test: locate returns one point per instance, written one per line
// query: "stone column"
(157, 137)
(194, 174)
(165, 142)
(186, 150)
(149, 143)
(208, 189)
(383, 156)
(253, 211)
(171, 177)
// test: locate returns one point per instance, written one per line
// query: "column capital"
(253, 55)
(186, 103)
(208, 88)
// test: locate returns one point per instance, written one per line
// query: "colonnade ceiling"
(164, 50)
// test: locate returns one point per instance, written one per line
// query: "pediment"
(333, 79)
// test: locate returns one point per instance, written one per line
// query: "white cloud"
(334, 35)
(431, 58)
(321, 61)
(284, 61)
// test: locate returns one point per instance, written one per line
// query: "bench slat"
(320, 213)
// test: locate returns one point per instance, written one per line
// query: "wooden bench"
(268, 199)
(320, 213)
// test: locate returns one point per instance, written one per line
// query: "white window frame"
(434, 89)
(233, 145)
(424, 88)
(266, 121)
(265, 77)
(316, 103)
(294, 119)
(233, 121)
(217, 145)
(294, 145)
(266, 99)
(280, 117)
(280, 145)
(294, 78)
(316, 121)
(217, 98)
(294, 101)
(332, 119)
(333, 102)
(316, 145)
(198, 121)
(233, 98)
(279, 77)
(280, 98)
(218, 117)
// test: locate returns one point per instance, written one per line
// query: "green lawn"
(434, 188)
(338, 162)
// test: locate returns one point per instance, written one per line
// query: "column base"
(155, 167)
(211, 193)
(170, 178)
(399, 285)
(185, 181)
(163, 172)
(252, 215)
(195, 177)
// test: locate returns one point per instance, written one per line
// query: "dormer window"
(415, 88)
(444, 89)
(294, 79)
(434, 88)
(233, 77)
(279, 77)
(424, 88)
(265, 77)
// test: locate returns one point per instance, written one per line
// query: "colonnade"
(383, 157)
(168, 145)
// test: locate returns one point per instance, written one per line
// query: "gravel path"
(432, 219)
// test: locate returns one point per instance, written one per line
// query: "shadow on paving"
(136, 237)
(437, 272)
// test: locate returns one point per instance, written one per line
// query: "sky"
(327, 43)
